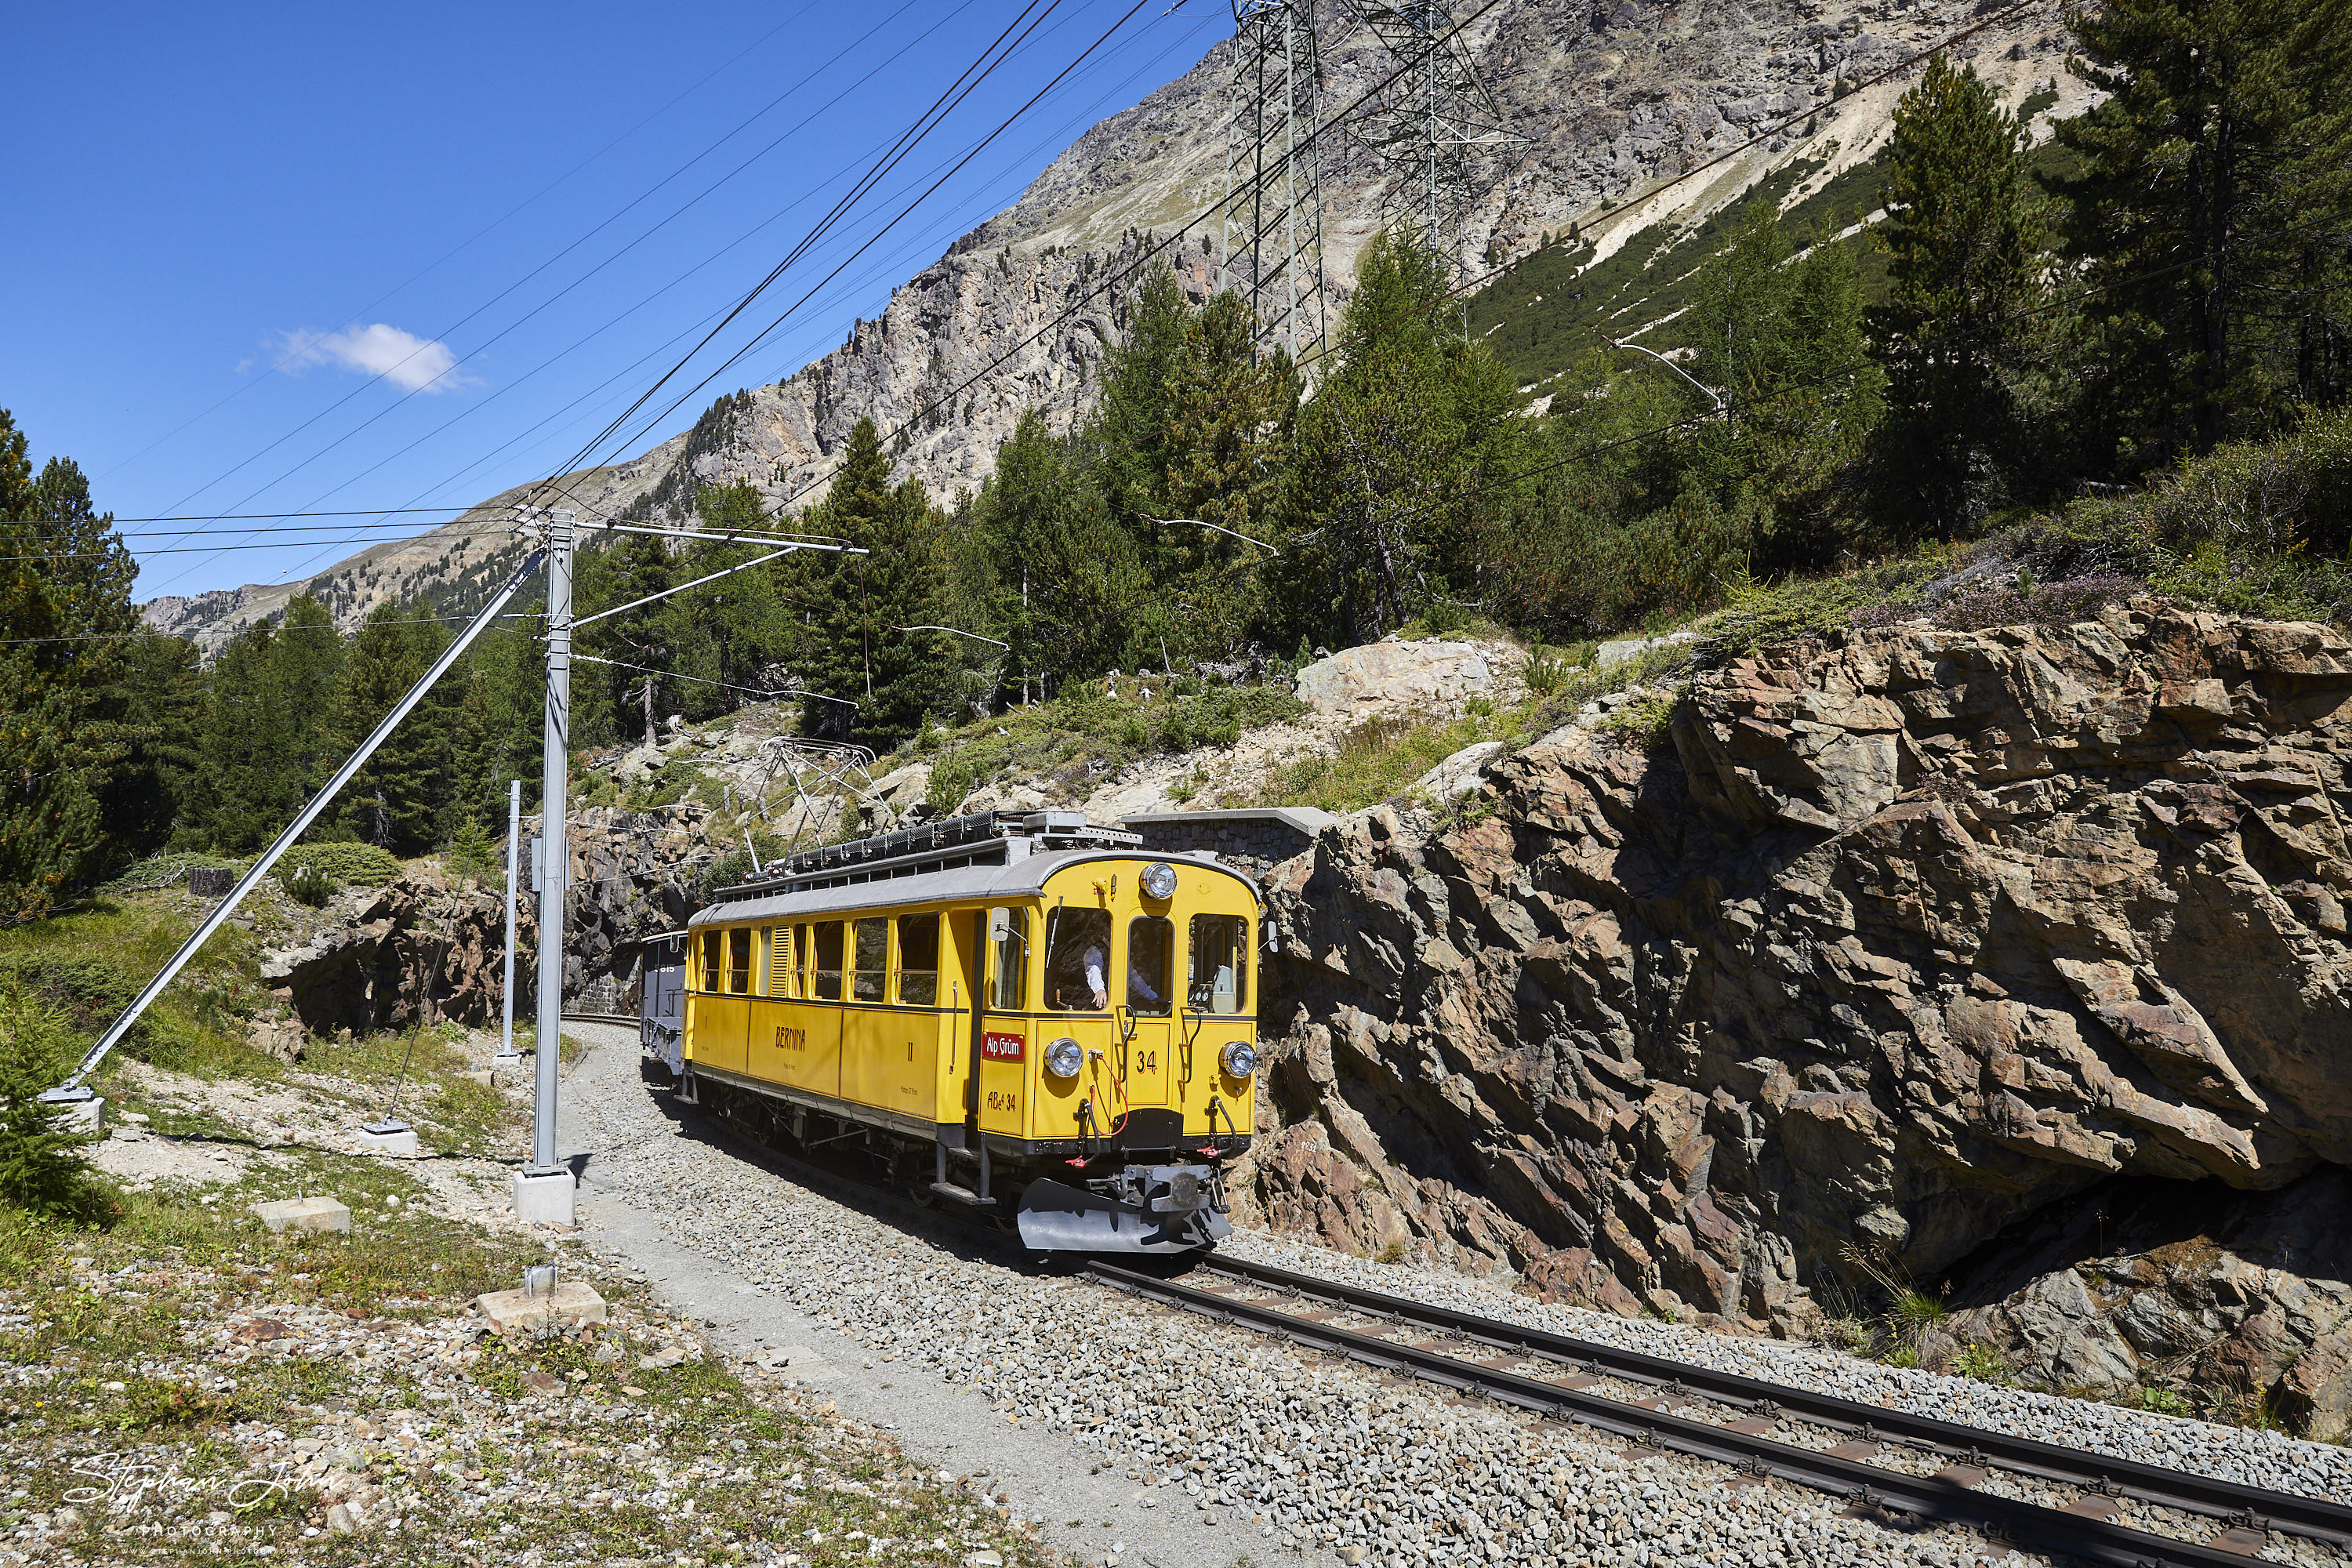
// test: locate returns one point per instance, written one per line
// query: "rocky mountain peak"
(1614, 103)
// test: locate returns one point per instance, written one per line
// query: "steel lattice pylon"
(1433, 124)
(1274, 187)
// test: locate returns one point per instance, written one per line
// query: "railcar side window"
(918, 960)
(738, 960)
(872, 958)
(709, 978)
(1150, 959)
(780, 960)
(1008, 974)
(1078, 960)
(1219, 980)
(828, 961)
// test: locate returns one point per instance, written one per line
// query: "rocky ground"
(1231, 1449)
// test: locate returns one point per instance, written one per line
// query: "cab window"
(1078, 960)
(1151, 960)
(738, 960)
(828, 961)
(873, 960)
(1219, 979)
(1008, 970)
(710, 970)
(918, 960)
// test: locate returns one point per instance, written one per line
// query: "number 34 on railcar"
(1025, 1013)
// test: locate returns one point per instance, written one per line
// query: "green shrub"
(952, 778)
(42, 1171)
(308, 885)
(1548, 669)
(1982, 1363)
(1647, 722)
(83, 995)
(474, 853)
(350, 865)
(1913, 1312)
(2262, 498)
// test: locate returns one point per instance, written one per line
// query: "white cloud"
(410, 362)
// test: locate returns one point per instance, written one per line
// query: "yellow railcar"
(1020, 1012)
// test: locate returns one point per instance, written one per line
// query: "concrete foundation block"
(544, 1198)
(304, 1214)
(570, 1302)
(395, 1139)
(87, 1117)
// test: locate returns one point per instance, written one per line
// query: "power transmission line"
(1004, 126)
(365, 309)
(476, 352)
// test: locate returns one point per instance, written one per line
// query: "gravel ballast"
(2248, 1456)
(1276, 1452)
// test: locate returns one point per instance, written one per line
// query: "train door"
(870, 1033)
(923, 995)
(1146, 1006)
(724, 1017)
(1001, 1076)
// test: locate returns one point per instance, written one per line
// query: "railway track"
(1883, 1460)
(1889, 1462)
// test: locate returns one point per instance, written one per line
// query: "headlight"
(1159, 880)
(1064, 1057)
(1239, 1058)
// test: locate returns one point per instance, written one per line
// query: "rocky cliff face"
(1907, 937)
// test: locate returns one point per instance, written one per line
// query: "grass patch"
(92, 962)
(1090, 729)
(454, 1113)
(1378, 759)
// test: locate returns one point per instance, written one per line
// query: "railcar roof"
(1023, 877)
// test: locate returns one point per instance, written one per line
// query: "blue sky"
(341, 257)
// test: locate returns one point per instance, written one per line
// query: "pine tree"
(1964, 268)
(397, 799)
(42, 1171)
(273, 729)
(2215, 167)
(1404, 457)
(736, 635)
(68, 743)
(638, 566)
(1780, 340)
(1194, 425)
(1067, 581)
(859, 605)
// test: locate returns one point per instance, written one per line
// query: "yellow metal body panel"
(942, 1062)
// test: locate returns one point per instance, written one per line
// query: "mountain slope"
(1614, 102)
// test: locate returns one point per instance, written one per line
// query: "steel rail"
(1945, 1497)
(2096, 1472)
(1949, 1496)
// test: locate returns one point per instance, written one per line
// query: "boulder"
(1407, 676)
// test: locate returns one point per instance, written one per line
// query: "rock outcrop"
(2245, 1299)
(428, 949)
(1910, 935)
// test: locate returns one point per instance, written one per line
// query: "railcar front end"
(1022, 1014)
